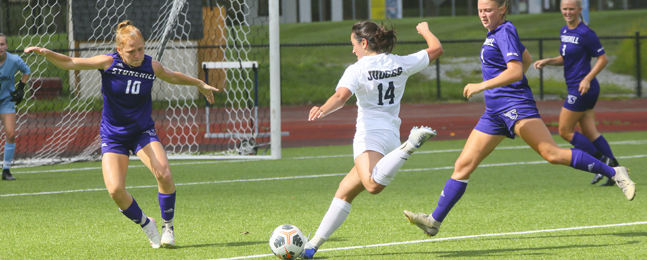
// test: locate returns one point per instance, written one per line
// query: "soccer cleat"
(6, 175)
(168, 236)
(610, 182)
(151, 232)
(597, 178)
(309, 251)
(425, 222)
(622, 179)
(419, 135)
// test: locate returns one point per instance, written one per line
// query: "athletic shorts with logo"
(503, 123)
(580, 103)
(131, 146)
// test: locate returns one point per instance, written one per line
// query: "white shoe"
(419, 135)
(168, 238)
(151, 232)
(622, 179)
(425, 222)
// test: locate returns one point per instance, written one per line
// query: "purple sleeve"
(592, 44)
(510, 45)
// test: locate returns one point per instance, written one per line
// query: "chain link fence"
(310, 72)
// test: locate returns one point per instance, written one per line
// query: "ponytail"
(379, 38)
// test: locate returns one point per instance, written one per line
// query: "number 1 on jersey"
(564, 50)
(390, 93)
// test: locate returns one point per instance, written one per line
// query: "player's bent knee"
(375, 189)
(552, 157)
(164, 176)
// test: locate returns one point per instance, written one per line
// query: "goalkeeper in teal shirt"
(10, 96)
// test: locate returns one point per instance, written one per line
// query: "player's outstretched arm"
(557, 61)
(64, 62)
(435, 48)
(178, 78)
(335, 102)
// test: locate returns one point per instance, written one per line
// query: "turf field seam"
(288, 177)
(456, 238)
(630, 142)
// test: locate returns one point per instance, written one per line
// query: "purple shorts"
(503, 124)
(131, 146)
(580, 103)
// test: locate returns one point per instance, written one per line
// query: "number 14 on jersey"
(388, 95)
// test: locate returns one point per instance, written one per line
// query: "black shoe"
(610, 182)
(598, 177)
(6, 175)
(613, 162)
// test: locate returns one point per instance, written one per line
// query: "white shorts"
(381, 141)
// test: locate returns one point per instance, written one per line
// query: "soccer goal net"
(221, 42)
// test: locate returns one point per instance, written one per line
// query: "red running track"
(452, 121)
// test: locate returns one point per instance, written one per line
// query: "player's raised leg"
(534, 132)
(114, 175)
(154, 157)
(386, 169)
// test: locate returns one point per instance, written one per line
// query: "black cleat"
(598, 177)
(6, 175)
(610, 182)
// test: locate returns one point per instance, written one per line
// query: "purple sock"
(167, 205)
(135, 213)
(603, 146)
(452, 192)
(585, 162)
(581, 142)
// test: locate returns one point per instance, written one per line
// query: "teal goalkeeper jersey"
(8, 70)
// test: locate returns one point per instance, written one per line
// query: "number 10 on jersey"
(135, 87)
(390, 93)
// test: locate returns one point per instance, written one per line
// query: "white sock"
(407, 147)
(333, 219)
(385, 170)
(315, 242)
(144, 218)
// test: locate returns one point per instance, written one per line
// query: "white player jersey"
(378, 83)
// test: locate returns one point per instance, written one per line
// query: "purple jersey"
(502, 46)
(577, 48)
(127, 103)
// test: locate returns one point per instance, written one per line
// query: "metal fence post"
(541, 71)
(437, 78)
(638, 74)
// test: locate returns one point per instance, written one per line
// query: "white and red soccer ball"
(287, 242)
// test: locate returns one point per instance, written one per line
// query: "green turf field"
(516, 207)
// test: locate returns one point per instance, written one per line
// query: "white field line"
(289, 177)
(630, 142)
(456, 238)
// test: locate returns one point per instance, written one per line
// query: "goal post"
(275, 78)
(181, 35)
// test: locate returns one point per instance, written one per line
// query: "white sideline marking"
(290, 177)
(630, 142)
(455, 238)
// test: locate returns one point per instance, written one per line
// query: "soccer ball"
(287, 242)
